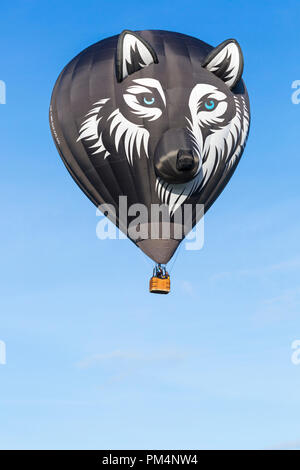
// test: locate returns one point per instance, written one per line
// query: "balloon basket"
(160, 281)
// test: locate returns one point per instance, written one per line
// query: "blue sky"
(94, 360)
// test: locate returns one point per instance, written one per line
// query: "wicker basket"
(159, 285)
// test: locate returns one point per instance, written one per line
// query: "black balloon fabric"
(156, 116)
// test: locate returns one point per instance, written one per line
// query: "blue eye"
(209, 105)
(148, 102)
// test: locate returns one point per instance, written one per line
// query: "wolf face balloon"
(157, 116)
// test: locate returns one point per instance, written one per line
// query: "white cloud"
(288, 445)
(258, 271)
(281, 307)
(130, 357)
(187, 287)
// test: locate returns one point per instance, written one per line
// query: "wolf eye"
(150, 101)
(209, 105)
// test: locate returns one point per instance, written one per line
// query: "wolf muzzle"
(174, 158)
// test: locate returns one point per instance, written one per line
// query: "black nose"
(174, 160)
(185, 160)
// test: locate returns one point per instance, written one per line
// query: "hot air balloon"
(158, 117)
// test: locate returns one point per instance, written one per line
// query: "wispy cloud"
(130, 357)
(288, 445)
(277, 308)
(258, 271)
(187, 287)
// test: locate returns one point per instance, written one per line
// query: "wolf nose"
(185, 160)
(174, 160)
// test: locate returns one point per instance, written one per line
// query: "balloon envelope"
(158, 118)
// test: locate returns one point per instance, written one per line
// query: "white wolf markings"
(135, 135)
(222, 146)
(216, 120)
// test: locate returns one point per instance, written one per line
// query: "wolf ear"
(133, 53)
(226, 61)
